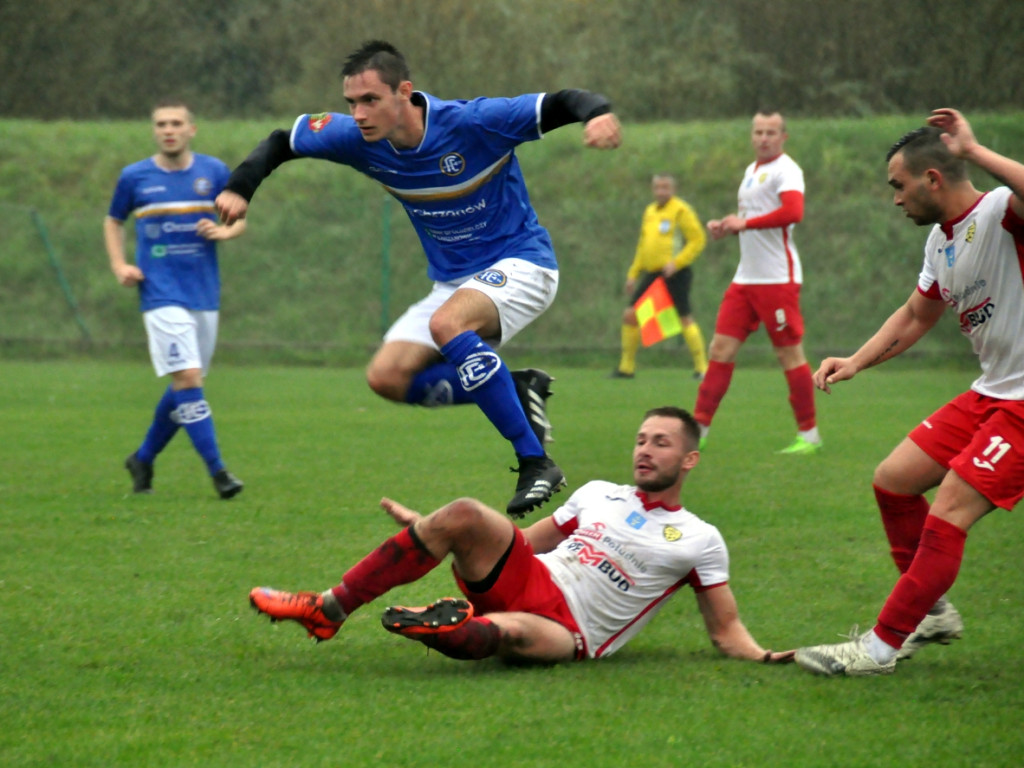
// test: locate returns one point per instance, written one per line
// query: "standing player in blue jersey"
(452, 165)
(171, 195)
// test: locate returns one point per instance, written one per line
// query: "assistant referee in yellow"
(671, 238)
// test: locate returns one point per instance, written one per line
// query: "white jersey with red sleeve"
(624, 558)
(768, 256)
(975, 264)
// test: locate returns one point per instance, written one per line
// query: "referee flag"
(656, 314)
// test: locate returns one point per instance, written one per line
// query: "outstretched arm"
(899, 333)
(601, 128)
(960, 140)
(728, 634)
(233, 203)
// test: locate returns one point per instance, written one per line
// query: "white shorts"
(520, 290)
(180, 339)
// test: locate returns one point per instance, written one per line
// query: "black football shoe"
(539, 479)
(141, 472)
(533, 386)
(227, 485)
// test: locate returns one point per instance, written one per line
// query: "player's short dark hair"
(691, 429)
(768, 111)
(923, 148)
(172, 102)
(380, 56)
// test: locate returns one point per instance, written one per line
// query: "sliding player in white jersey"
(175, 269)
(972, 448)
(452, 166)
(574, 585)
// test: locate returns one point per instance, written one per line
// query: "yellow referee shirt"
(661, 233)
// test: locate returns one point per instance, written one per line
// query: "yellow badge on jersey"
(672, 534)
(969, 237)
(761, 178)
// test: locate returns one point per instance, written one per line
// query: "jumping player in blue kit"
(452, 165)
(171, 196)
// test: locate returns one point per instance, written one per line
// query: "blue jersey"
(461, 187)
(180, 266)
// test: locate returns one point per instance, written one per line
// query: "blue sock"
(161, 430)
(437, 385)
(486, 379)
(195, 416)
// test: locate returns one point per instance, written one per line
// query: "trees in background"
(688, 59)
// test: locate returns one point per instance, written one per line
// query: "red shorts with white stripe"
(744, 307)
(525, 585)
(981, 439)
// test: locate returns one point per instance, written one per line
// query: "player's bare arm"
(127, 274)
(898, 333)
(728, 633)
(400, 513)
(211, 230)
(544, 535)
(959, 138)
(732, 225)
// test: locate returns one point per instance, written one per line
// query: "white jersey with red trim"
(623, 559)
(975, 264)
(768, 256)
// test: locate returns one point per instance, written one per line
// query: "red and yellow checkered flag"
(656, 314)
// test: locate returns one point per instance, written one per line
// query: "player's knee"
(887, 477)
(463, 514)
(629, 316)
(387, 381)
(444, 327)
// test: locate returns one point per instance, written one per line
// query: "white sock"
(810, 435)
(878, 649)
(704, 429)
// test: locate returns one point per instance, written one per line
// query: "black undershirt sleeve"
(571, 106)
(261, 162)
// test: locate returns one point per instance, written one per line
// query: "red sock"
(477, 639)
(399, 560)
(929, 577)
(903, 518)
(712, 390)
(801, 396)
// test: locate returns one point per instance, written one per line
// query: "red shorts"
(981, 439)
(745, 307)
(525, 585)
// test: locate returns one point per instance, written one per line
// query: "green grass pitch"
(126, 638)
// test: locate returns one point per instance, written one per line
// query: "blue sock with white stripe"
(195, 416)
(161, 430)
(484, 377)
(437, 385)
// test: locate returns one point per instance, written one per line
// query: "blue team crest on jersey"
(950, 255)
(452, 164)
(636, 520)
(493, 277)
(202, 186)
(152, 231)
